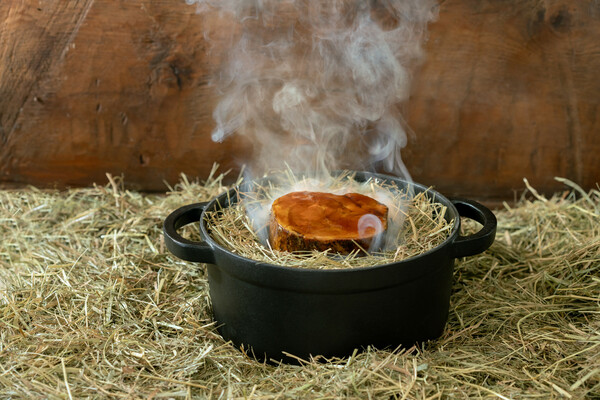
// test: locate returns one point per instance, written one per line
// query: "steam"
(314, 85)
(370, 225)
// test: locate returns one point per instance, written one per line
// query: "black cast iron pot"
(272, 310)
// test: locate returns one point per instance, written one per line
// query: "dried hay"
(92, 305)
(420, 226)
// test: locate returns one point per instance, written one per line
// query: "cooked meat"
(321, 221)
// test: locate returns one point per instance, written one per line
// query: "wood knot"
(561, 20)
(144, 159)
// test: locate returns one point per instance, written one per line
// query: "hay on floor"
(93, 305)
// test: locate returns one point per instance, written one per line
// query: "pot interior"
(234, 196)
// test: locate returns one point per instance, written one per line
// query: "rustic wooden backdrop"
(509, 89)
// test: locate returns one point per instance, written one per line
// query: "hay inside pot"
(420, 224)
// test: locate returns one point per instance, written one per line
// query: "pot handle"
(479, 242)
(183, 248)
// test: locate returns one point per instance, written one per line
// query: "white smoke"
(370, 225)
(314, 84)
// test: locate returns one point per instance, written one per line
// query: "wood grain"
(128, 95)
(507, 90)
(28, 54)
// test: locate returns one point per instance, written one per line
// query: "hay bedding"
(92, 305)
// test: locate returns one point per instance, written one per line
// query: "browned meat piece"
(321, 221)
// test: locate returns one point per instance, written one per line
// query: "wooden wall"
(509, 89)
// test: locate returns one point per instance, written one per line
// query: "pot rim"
(430, 192)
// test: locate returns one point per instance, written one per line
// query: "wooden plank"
(508, 90)
(34, 36)
(129, 97)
